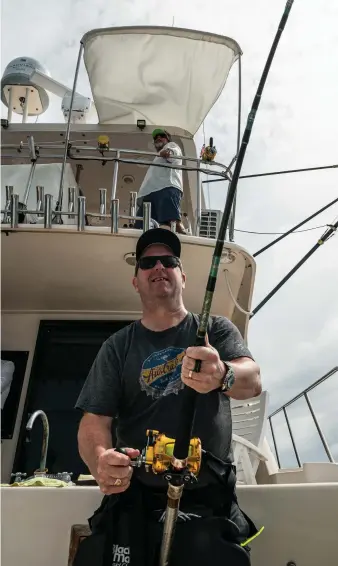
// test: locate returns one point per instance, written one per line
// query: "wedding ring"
(117, 482)
(190, 374)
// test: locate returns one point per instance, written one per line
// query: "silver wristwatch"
(228, 378)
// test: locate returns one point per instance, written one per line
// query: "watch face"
(230, 380)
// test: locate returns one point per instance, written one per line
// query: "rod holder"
(81, 216)
(146, 216)
(9, 192)
(31, 147)
(132, 203)
(47, 213)
(114, 213)
(40, 198)
(103, 201)
(14, 210)
(71, 201)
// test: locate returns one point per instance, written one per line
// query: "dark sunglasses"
(168, 261)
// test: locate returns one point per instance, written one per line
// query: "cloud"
(295, 336)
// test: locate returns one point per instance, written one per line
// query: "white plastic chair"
(249, 420)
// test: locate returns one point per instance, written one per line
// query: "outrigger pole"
(332, 229)
(177, 472)
(295, 228)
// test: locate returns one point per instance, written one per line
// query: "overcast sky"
(295, 336)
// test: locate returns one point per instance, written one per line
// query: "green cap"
(159, 131)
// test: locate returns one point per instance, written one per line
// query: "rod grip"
(187, 413)
(186, 423)
(200, 341)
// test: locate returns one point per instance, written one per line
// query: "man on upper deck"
(162, 186)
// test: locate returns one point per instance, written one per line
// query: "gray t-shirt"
(135, 379)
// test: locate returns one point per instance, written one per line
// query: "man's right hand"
(114, 471)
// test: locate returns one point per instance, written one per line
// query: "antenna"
(24, 90)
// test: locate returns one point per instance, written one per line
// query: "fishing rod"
(294, 228)
(178, 471)
(332, 229)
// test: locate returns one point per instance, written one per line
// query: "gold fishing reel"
(209, 152)
(103, 143)
(158, 454)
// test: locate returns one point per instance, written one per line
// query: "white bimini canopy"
(166, 76)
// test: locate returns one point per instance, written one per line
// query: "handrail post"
(115, 175)
(274, 442)
(322, 437)
(67, 136)
(198, 201)
(31, 148)
(291, 436)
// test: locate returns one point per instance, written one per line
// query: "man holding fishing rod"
(136, 384)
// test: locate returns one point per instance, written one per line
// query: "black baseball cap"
(158, 236)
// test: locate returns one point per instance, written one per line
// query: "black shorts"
(165, 206)
(126, 531)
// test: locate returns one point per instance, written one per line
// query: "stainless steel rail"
(283, 408)
(115, 155)
(45, 210)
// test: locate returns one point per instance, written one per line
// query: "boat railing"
(45, 210)
(302, 395)
(115, 155)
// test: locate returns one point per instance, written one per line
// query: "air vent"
(210, 222)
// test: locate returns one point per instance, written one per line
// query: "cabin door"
(65, 351)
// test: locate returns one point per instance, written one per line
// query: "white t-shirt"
(158, 178)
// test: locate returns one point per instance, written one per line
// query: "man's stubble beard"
(165, 299)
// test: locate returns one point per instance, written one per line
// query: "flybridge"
(135, 73)
(138, 77)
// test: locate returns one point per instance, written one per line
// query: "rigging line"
(321, 168)
(295, 227)
(280, 233)
(326, 236)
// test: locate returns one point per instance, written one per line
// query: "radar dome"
(17, 78)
